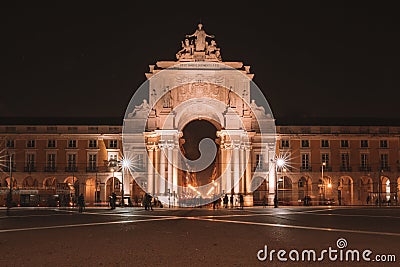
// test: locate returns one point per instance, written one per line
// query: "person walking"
(225, 201)
(81, 203)
(241, 201)
(231, 201)
(113, 200)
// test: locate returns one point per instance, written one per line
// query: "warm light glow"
(126, 163)
(280, 162)
(329, 185)
(324, 164)
(209, 191)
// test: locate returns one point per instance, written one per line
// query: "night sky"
(311, 59)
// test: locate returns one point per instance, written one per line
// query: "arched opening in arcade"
(285, 190)
(113, 185)
(304, 188)
(260, 194)
(72, 183)
(384, 189)
(366, 190)
(90, 191)
(30, 183)
(345, 190)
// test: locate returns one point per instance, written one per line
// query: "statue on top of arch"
(196, 44)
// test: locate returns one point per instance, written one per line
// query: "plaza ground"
(195, 237)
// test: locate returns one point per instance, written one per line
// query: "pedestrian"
(149, 202)
(368, 199)
(81, 202)
(231, 201)
(225, 201)
(113, 200)
(241, 201)
(264, 201)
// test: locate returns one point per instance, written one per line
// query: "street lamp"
(9, 197)
(117, 165)
(279, 163)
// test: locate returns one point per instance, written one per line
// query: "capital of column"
(152, 147)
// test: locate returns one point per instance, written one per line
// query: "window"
(30, 162)
(51, 143)
(384, 160)
(364, 143)
(30, 143)
(93, 143)
(285, 143)
(113, 143)
(305, 143)
(6, 167)
(305, 162)
(324, 143)
(112, 159)
(10, 143)
(51, 162)
(344, 162)
(139, 162)
(364, 162)
(344, 143)
(259, 161)
(383, 143)
(325, 159)
(72, 144)
(92, 162)
(71, 162)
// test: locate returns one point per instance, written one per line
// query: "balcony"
(7, 169)
(345, 169)
(365, 168)
(71, 169)
(50, 169)
(92, 169)
(326, 168)
(385, 168)
(305, 169)
(29, 168)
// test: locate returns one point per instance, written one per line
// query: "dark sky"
(312, 59)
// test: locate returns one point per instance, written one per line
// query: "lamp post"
(279, 162)
(323, 183)
(9, 198)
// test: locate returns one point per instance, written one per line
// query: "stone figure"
(212, 49)
(187, 48)
(201, 35)
(141, 110)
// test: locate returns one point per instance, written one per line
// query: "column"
(242, 169)
(271, 183)
(228, 188)
(223, 169)
(236, 165)
(156, 170)
(175, 169)
(162, 177)
(248, 170)
(169, 169)
(150, 173)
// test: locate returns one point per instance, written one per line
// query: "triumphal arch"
(199, 128)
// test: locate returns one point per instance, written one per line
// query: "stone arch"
(50, 182)
(72, 182)
(345, 190)
(384, 189)
(303, 187)
(90, 190)
(6, 182)
(30, 182)
(285, 185)
(113, 184)
(259, 186)
(137, 192)
(366, 190)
